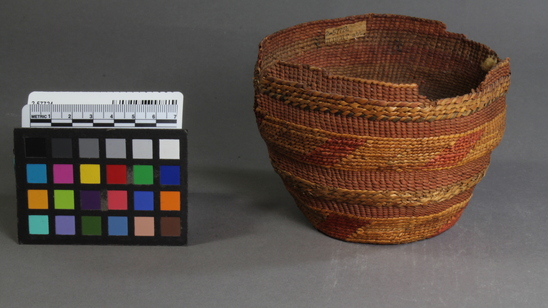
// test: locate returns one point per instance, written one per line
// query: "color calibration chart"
(101, 185)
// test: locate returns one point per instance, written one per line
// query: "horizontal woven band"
(295, 95)
(372, 211)
(365, 152)
(360, 127)
(381, 198)
(378, 180)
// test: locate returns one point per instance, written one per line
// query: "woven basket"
(380, 126)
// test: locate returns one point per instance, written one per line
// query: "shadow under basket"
(380, 126)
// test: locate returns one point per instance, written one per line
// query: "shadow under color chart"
(101, 186)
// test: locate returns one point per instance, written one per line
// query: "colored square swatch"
(115, 148)
(63, 199)
(169, 149)
(91, 225)
(143, 200)
(117, 199)
(88, 147)
(63, 174)
(170, 175)
(143, 175)
(170, 226)
(144, 226)
(35, 147)
(64, 225)
(117, 226)
(90, 174)
(61, 148)
(90, 200)
(170, 200)
(142, 148)
(37, 199)
(36, 174)
(116, 174)
(38, 224)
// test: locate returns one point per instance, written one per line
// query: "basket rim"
(496, 80)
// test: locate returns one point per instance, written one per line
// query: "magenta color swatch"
(63, 174)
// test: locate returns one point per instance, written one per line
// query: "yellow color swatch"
(90, 174)
(170, 201)
(37, 199)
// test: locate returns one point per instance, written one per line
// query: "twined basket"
(380, 126)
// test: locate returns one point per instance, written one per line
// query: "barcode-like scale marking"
(104, 109)
(116, 115)
(144, 102)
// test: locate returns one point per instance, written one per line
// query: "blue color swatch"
(117, 225)
(170, 175)
(144, 200)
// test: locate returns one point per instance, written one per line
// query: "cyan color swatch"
(38, 224)
(36, 174)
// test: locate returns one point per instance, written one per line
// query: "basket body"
(379, 134)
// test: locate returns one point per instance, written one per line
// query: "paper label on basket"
(345, 32)
(104, 109)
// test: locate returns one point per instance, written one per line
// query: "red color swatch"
(116, 174)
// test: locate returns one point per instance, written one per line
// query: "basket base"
(398, 230)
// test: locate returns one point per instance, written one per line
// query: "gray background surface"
(249, 246)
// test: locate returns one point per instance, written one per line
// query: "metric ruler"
(104, 109)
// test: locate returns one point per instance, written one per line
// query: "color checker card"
(101, 186)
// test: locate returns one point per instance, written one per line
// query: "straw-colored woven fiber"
(380, 126)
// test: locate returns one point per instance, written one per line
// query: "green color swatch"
(143, 174)
(63, 199)
(91, 225)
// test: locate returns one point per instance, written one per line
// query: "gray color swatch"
(88, 147)
(115, 148)
(142, 148)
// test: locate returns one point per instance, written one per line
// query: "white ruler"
(104, 109)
